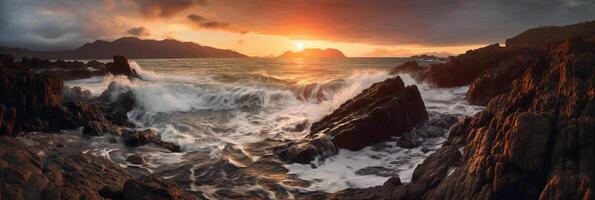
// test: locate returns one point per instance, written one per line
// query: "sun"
(299, 45)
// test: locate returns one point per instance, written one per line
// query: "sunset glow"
(299, 45)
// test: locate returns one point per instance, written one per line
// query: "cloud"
(60, 24)
(139, 31)
(389, 22)
(203, 22)
(165, 8)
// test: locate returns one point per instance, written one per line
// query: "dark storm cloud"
(165, 8)
(59, 24)
(196, 18)
(425, 22)
(138, 31)
(202, 22)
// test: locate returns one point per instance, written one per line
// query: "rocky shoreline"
(534, 140)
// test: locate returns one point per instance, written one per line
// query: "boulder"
(120, 66)
(135, 138)
(409, 67)
(135, 159)
(385, 109)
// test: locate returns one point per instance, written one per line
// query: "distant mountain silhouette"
(314, 53)
(130, 47)
(542, 36)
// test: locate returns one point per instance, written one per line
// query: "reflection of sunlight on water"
(207, 104)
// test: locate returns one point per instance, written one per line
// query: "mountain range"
(130, 47)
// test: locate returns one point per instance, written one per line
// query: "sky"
(369, 28)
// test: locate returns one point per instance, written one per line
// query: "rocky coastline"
(534, 140)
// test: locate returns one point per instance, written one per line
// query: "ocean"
(228, 115)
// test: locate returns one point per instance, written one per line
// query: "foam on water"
(205, 112)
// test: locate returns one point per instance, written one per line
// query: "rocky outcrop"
(135, 138)
(534, 142)
(463, 69)
(26, 175)
(409, 67)
(148, 187)
(120, 66)
(384, 110)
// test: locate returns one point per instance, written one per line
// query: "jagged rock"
(148, 187)
(117, 101)
(135, 138)
(120, 66)
(24, 175)
(463, 69)
(76, 93)
(409, 67)
(532, 142)
(497, 80)
(384, 110)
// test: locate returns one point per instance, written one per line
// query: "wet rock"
(135, 159)
(135, 138)
(409, 140)
(120, 66)
(24, 175)
(147, 187)
(116, 102)
(377, 170)
(409, 67)
(76, 93)
(95, 128)
(384, 110)
(393, 181)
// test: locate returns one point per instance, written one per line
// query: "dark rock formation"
(120, 66)
(24, 175)
(135, 159)
(314, 53)
(116, 102)
(384, 110)
(463, 69)
(148, 187)
(409, 67)
(533, 142)
(135, 138)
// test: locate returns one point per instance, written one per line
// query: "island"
(314, 53)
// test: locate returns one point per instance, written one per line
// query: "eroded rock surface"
(384, 110)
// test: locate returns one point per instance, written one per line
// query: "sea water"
(228, 114)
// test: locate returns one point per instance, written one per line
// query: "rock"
(135, 138)
(95, 128)
(24, 175)
(120, 66)
(76, 93)
(409, 67)
(393, 181)
(116, 102)
(497, 80)
(135, 159)
(533, 142)
(384, 110)
(409, 140)
(148, 187)
(29, 98)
